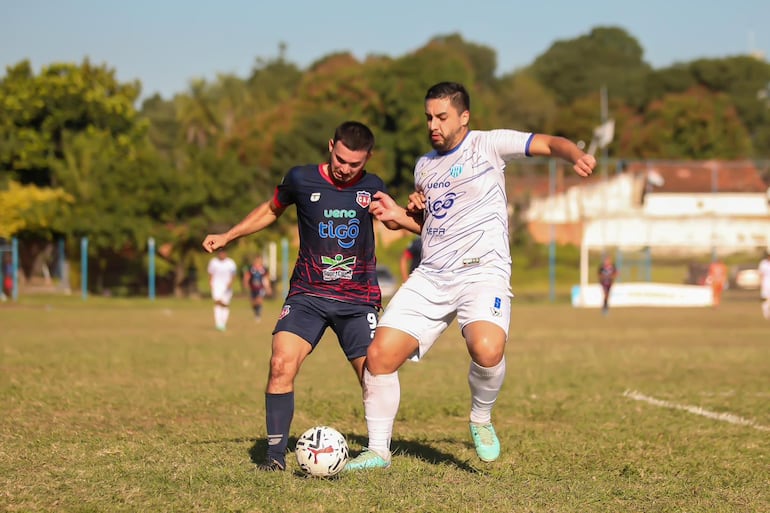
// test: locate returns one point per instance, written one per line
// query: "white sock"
(766, 308)
(485, 383)
(225, 314)
(220, 315)
(382, 395)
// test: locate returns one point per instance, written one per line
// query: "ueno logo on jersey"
(363, 198)
(335, 213)
(439, 207)
(439, 185)
(345, 234)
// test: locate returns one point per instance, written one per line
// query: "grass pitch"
(133, 405)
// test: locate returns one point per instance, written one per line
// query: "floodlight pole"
(552, 230)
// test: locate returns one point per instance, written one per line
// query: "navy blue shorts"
(309, 316)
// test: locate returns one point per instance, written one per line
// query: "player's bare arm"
(543, 145)
(395, 217)
(259, 218)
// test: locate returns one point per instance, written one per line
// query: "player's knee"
(487, 352)
(282, 369)
(379, 361)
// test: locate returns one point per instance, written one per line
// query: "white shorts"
(424, 308)
(221, 293)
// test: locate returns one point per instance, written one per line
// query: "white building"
(670, 208)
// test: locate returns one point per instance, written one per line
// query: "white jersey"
(764, 272)
(222, 272)
(465, 233)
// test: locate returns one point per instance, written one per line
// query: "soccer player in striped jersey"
(334, 283)
(460, 210)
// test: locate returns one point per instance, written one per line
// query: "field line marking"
(697, 410)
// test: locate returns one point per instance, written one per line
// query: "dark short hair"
(457, 94)
(356, 136)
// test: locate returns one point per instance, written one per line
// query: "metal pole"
(60, 258)
(714, 189)
(151, 268)
(552, 235)
(84, 267)
(15, 267)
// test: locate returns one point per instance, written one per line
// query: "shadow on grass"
(415, 449)
(258, 451)
(421, 451)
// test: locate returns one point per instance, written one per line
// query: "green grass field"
(132, 405)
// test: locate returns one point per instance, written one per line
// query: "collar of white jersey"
(456, 147)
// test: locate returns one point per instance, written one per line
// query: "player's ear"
(465, 118)
(331, 145)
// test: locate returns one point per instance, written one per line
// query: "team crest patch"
(284, 311)
(363, 198)
(455, 171)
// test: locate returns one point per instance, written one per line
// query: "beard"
(446, 142)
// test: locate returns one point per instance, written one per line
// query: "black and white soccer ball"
(322, 451)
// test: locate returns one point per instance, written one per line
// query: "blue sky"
(166, 43)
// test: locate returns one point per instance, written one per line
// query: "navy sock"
(279, 412)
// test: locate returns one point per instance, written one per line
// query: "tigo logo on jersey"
(455, 171)
(363, 198)
(438, 208)
(315, 196)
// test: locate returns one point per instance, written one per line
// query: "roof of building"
(701, 176)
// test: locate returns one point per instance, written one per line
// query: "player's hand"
(585, 165)
(384, 208)
(214, 241)
(416, 203)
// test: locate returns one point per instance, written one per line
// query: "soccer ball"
(322, 451)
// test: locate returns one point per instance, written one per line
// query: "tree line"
(79, 156)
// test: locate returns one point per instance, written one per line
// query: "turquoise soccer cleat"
(367, 460)
(486, 442)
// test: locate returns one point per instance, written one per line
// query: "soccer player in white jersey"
(460, 210)
(222, 271)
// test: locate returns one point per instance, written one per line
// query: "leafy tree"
(744, 79)
(674, 79)
(72, 132)
(696, 124)
(607, 56)
(38, 112)
(524, 104)
(274, 80)
(26, 208)
(481, 59)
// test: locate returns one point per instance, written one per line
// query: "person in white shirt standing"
(764, 291)
(460, 210)
(222, 270)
